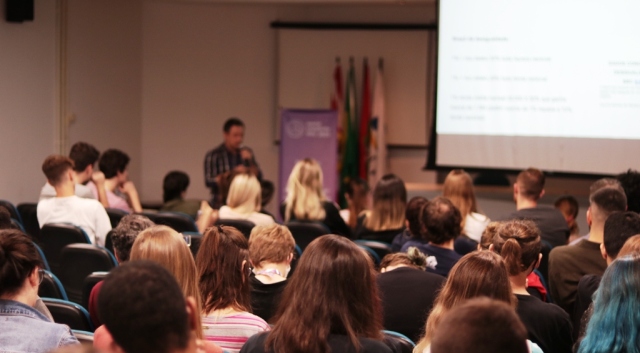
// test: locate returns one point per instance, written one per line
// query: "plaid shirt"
(220, 160)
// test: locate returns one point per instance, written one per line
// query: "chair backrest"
(15, 224)
(115, 215)
(12, 210)
(543, 268)
(374, 256)
(84, 337)
(29, 214)
(78, 261)
(70, 314)
(180, 222)
(108, 242)
(54, 237)
(51, 287)
(242, 225)
(305, 232)
(89, 282)
(398, 342)
(42, 257)
(196, 240)
(380, 248)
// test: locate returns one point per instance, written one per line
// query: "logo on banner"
(295, 129)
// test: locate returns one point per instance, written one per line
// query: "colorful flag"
(337, 104)
(378, 143)
(350, 155)
(365, 118)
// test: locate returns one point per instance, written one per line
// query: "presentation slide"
(539, 83)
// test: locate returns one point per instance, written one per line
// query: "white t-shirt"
(474, 225)
(87, 214)
(259, 219)
(48, 191)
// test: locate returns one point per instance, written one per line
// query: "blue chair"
(306, 232)
(51, 287)
(77, 261)
(196, 240)
(88, 285)
(42, 257)
(70, 314)
(84, 337)
(115, 215)
(13, 211)
(17, 225)
(29, 215)
(374, 256)
(180, 222)
(245, 227)
(398, 342)
(54, 237)
(380, 248)
(544, 284)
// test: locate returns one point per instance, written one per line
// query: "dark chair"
(12, 210)
(42, 257)
(15, 224)
(374, 256)
(29, 214)
(51, 287)
(398, 342)
(180, 222)
(78, 261)
(549, 299)
(54, 237)
(380, 248)
(70, 314)
(196, 240)
(84, 337)
(108, 242)
(305, 232)
(115, 215)
(543, 268)
(242, 225)
(89, 283)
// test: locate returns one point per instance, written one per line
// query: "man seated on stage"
(66, 207)
(228, 158)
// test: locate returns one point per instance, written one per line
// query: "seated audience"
(357, 196)
(567, 264)
(407, 292)
(174, 190)
(518, 242)
(321, 311)
(442, 225)
(22, 327)
(568, 206)
(5, 218)
(630, 182)
(66, 207)
(488, 326)
(306, 200)
(527, 190)
(387, 216)
(121, 192)
(244, 201)
(413, 225)
(271, 250)
(223, 275)
(458, 188)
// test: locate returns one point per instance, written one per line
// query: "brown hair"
(389, 204)
(18, 259)
(413, 214)
(531, 183)
(487, 235)
(273, 243)
(519, 244)
(458, 188)
(223, 269)
(412, 258)
(320, 299)
(631, 246)
(55, 166)
(441, 220)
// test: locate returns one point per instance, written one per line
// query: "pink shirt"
(115, 200)
(232, 331)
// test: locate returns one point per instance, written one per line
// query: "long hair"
(613, 327)
(477, 274)
(304, 192)
(244, 194)
(333, 291)
(223, 270)
(518, 242)
(389, 204)
(167, 247)
(458, 188)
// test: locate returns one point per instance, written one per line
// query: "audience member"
(121, 192)
(407, 292)
(631, 246)
(5, 218)
(223, 272)
(387, 216)
(527, 190)
(320, 311)
(518, 242)
(568, 206)
(271, 250)
(458, 188)
(244, 201)
(174, 190)
(480, 325)
(597, 185)
(413, 225)
(306, 200)
(88, 214)
(357, 197)
(487, 235)
(567, 264)
(22, 327)
(630, 181)
(442, 225)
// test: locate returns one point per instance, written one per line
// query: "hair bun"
(417, 257)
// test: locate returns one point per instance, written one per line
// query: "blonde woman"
(458, 188)
(244, 201)
(387, 217)
(306, 200)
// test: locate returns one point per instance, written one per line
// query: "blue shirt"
(445, 258)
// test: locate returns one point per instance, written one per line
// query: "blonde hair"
(167, 247)
(244, 194)
(458, 188)
(304, 192)
(389, 204)
(272, 243)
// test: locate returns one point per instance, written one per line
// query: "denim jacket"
(25, 330)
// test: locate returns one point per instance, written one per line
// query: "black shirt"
(547, 324)
(332, 219)
(553, 227)
(265, 297)
(584, 297)
(386, 236)
(337, 344)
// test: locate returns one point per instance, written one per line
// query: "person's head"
(84, 156)
(604, 202)
(113, 163)
(223, 269)
(356, 193)
(125, 233)
(144, 310)
(389, 204)
(413, 215)
(487, 235)
(413, 258)
(321, 300)
(19, 266)
(630, 181)
(480, 325)
(244, 194)
(5, 218)
(271, 244)
(458, 187)
(619, 227)
(58, 170)
(569, 207)
(631, 246)
(519, 244)
(174, 185)
(441, 220)
(304, 192)
(613, 326)
(529, 185)
(233, 132)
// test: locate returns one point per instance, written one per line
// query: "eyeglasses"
(41, 274)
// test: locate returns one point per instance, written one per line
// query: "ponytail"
(512, 254)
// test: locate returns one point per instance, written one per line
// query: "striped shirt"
(232, 331)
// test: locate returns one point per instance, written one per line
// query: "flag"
(350, 155)
(337, 104)
(378, 143)
(365, 118)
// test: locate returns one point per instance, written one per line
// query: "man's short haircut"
(270, 243)
(174, 184)
(143, 308)
(83, 155)
(630, 181)
(231, 122)
(531, 183)
(126, 232)
(441, 220)
(113, 161)
(412, 215)
(604, 183)
(606, 201)
(480, 325)
(619, 227)
(55, 166)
